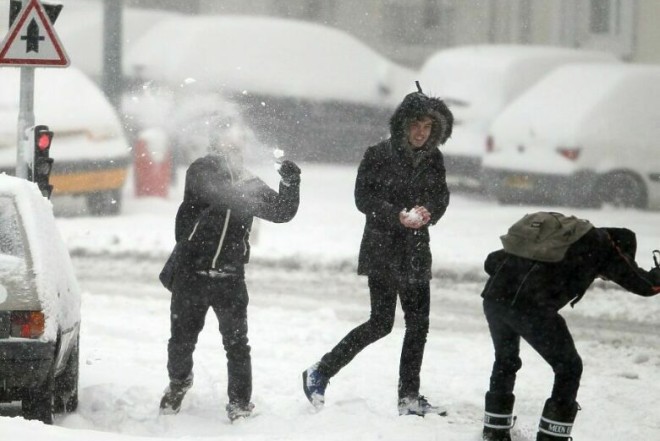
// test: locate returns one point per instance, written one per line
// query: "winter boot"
(557, 421)
(498, 417)
(170, 404)
(237, 410)
(419, 405)
(314, 384)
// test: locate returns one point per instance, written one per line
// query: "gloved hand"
(290, 172)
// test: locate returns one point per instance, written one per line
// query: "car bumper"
(83, 177)
(23, 365)
(513, 186)
(463, 171)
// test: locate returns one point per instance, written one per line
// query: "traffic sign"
(32, 41)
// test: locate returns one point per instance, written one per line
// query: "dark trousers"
(547, 333)
(192, 295)
(415, 302)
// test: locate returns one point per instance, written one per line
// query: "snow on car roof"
(260, 55)
(64, 99)
(48, 255)
(577, 99)
(487, 77)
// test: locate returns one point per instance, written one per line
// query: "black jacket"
(525, 283)
(388, 182)
(214, 220)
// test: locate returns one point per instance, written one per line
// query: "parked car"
(478, 82)
(315, 91)
(584, 135)
(92, 156)
(39, 306)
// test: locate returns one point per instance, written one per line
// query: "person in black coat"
(213, 245)
(402, 191)
(550, 264)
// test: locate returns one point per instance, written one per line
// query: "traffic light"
(43, 163)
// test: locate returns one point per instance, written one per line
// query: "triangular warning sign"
(32, 41)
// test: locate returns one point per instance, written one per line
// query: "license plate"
(520, 181)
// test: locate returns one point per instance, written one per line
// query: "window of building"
(417, 22)
(605, 16)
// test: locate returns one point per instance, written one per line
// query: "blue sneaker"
(314, 384)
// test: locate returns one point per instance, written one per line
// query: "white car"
(316, 91)
(92, 156)
(478, 82)
(39, 306)
(585, 135)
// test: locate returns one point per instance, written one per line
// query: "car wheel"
(66, 384)
(623, 190)
(39, 402)
(104, 203)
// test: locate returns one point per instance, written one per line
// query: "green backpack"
(544, 236)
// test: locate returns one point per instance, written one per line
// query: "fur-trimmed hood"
(416, 105)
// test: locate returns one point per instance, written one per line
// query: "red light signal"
(43, 142)
(43, 163)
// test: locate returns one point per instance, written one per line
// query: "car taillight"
(490, 144)
(27, 324)
(571, 153)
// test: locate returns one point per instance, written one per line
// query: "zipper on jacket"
(222, 238)
(224, 227)
(515, 297)
(245, 242)
(193, 231)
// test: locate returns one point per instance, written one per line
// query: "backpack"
(544, 236)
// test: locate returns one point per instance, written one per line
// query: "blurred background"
(319, 80)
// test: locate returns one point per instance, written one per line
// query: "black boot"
(557, 421)
(498, 417)
(170, 404)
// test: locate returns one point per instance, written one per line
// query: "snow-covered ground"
(304, 298)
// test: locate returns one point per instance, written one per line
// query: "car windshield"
(11, 239)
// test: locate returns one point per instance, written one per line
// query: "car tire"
(66, 384)
(39, 402)
(104, 203)
(623, 190)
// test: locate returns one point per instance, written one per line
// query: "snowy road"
(297, 315)
(456, 303)
(305, 296)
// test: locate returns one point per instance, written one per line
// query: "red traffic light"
(43, 141)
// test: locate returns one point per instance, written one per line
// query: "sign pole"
(25, 121)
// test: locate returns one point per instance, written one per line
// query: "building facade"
(408, 31)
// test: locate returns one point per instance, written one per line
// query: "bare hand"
(415, 218)
(422, 211)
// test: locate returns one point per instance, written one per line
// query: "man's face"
(419, 131)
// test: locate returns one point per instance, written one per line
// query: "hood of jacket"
(416, 105)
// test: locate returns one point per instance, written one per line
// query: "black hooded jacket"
(601, 252)
(214, 220)
(388, 181)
